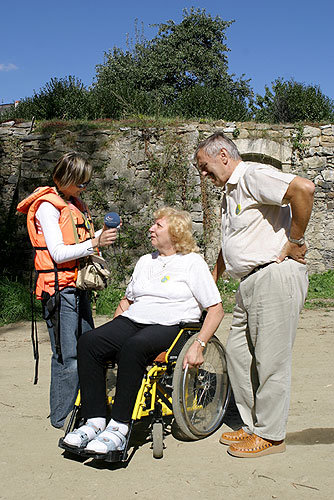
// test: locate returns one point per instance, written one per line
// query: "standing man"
(264, 217)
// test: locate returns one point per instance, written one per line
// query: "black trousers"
(132, 345)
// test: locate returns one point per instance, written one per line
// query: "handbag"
(92, 273)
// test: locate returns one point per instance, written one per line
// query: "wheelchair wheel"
(158, 440)
(200, 395)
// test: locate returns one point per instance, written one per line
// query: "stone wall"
(138, 169)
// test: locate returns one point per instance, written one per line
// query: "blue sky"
(44, 39)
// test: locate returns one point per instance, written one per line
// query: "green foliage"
(204, 101)
(107, 300)
(290, 101)
(64, 98)
(15, 297)
(155, 77)
(15, 302)
(227, 289)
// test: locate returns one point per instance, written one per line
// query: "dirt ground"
(33, 467)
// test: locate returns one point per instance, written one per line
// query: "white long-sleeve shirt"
(47, 222)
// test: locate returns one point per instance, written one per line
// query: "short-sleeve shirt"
(168, 290)
(255, 219)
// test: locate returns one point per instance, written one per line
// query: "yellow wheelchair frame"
(197, 398)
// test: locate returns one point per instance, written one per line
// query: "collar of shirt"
(237, 173)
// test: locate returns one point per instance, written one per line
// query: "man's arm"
(300, 195)
(219, 267)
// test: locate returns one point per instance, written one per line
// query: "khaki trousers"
(259, 347)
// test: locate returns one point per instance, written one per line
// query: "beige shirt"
(255, 221)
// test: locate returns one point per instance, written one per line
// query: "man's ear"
(224, 155)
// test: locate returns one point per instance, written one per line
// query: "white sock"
(98, 446)
(74, 439)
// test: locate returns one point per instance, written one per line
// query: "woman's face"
(160, 236)
(72, 191)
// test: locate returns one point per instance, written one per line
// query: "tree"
(291, 101)
(151, 77)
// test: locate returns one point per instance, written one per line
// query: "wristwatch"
(299, 242)
(203, 344)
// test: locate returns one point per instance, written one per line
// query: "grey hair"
(213, 145)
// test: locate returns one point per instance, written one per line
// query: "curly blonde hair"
(179, 229)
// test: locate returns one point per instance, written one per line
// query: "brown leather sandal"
(255, 446)
(233, 437)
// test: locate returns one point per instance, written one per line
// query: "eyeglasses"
(83, 185)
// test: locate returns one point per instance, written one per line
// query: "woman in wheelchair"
(171, 285)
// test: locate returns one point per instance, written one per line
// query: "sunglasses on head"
(83, 185)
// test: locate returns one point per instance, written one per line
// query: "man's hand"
(294, 251)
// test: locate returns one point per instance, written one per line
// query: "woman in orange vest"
(53, 216)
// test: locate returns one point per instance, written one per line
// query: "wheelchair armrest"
(184, 324)
(194, 324)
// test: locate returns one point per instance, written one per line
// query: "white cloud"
(8, 67)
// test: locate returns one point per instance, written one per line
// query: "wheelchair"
(195, 398)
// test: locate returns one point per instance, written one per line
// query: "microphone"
(112, 219)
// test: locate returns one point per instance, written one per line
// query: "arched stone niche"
(265, 151)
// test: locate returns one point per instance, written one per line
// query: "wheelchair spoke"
(202, 393)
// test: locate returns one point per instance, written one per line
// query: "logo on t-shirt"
(238, 209)
(165, 279)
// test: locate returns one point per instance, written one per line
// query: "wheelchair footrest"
(71, 449)
(112, 456)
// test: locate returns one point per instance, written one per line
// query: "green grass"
(140, 121)
(15, 297)
(321, 290)
(15, 302)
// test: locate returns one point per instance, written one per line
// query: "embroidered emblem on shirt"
(238, 209)
(165, 279)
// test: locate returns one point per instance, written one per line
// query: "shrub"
(64, 98)
(290, 101)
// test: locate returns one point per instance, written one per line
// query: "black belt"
(256, 269)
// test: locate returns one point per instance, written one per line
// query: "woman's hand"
(106, 238)
(194, 355)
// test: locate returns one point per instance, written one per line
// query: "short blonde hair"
(71, 168)
(179, 229)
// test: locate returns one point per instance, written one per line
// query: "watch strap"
(203, 344)
(299, 242)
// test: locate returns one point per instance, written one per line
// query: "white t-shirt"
(255, 221)
(47, 222)
(168, 290)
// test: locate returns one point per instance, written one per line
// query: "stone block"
(244, 134)
(311, 131)
(314, 162)
(328, 130)
(315, 141)
(26, 125)
(328, 174)
(8, 124)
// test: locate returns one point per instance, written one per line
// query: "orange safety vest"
(52, 276)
